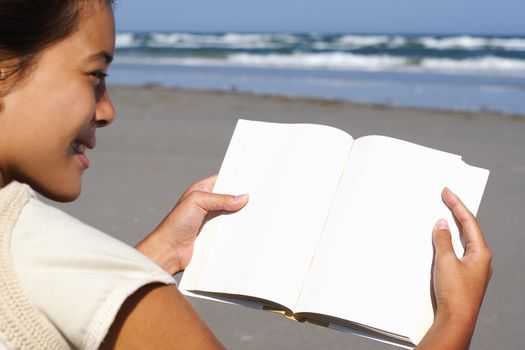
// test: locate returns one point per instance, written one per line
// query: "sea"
(450, 72)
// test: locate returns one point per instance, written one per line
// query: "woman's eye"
(99, 83)
(100, 75)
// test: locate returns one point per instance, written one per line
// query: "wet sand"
(165, 139)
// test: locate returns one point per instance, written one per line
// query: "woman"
(66, 285)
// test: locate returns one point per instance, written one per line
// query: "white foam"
(494, 65)
(228, 40)
(256, 39)
(466, 42)
(178, 40)
(331, 61)
(363, 40)
(509, 44)
(317, 41)
(349, 42)
(335, 61)
(463, 42)
(346, 61)
(126, 40)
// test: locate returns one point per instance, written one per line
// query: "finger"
(204, 185)
(471, 230)
(442, 239)
(214, 202)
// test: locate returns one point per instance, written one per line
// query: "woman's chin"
(68, 197)
(61, 193)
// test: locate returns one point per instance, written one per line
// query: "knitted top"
(62, 282)
(21, 325)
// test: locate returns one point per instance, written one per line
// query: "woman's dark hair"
(27, 27)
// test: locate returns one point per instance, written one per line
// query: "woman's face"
(48, 120)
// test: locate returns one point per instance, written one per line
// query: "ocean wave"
(346, 61)
(509, 44)
(475, 65)
(330, 61)
(337, 61)
(315, 42)
(230, 40)
(352, 42)
(473, 43)
(126, 40)
(192, 41)
(463, 42)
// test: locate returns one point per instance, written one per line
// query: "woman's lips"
(79, 149)
(84, 160)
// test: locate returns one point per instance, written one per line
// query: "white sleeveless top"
(74, 275)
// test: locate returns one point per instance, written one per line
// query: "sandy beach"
(165, 139)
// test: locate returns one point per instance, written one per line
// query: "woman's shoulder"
(42, 223)
(74, 274)
(44, 229)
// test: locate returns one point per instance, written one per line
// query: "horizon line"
(411, 33)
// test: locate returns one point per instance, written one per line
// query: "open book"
(337, 231)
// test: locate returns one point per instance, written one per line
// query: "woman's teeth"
(79, 148)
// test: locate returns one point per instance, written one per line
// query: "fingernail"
(241, 197)
(448, 190)
(441, 224)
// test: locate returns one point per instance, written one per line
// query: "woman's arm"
(159, 317)
(459, 284)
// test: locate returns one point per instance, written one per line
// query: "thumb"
(215, 202)
(442, 238)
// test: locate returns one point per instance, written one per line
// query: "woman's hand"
(170, 245)
(459, 284)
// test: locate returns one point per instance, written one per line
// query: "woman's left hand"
(170, 245)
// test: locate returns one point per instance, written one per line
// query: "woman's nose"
(105, 111)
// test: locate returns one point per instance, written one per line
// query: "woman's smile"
(81, 145)
(79, 150)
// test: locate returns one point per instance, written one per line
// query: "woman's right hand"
(459, 284)
(170, 245)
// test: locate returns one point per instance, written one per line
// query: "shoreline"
(325, 101)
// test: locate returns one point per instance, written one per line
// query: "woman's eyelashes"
(100, 83)
(99, 75)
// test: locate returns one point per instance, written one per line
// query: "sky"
(325, 16)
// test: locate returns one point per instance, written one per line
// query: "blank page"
(291, 172)
(374, 262)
